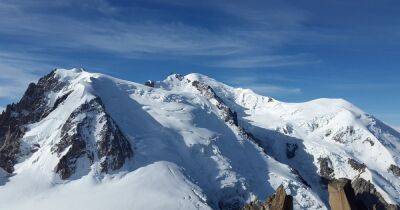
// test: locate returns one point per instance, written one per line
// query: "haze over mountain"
(81, 140)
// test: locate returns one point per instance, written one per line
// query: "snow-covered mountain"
(80, 140)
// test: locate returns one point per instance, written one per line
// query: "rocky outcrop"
(32, 107)
(291, 150)
(325, 169)
(360, 167)
(341, 135)
(225, 112)
(341, 195)
(394, 169)
(358, 194)
(278, 201)
(91, 134)
(368, 196)
(88, 132)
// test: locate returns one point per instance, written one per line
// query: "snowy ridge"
(331, 128)
(186, 154)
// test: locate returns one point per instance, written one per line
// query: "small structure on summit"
(150, 83)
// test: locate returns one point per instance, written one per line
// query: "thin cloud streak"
(266, 61)
(16, 71)
(267, 90)
(152, 36)
(261, 86)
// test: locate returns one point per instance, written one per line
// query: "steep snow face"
(189, 142)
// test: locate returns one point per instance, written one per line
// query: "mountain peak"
(190, 142)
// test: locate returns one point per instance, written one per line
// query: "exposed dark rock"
(358, 194)
(235, 119)
(338, 137)
(35, 148)
(278, 201)
(88, 127)
(291, 150)
(288, 129)
(31, 108)
(367, 195)
(61, 100)
(326, 169)
(328, 133)
(296, 172)
(179, 76)
(356, 165)
(394, 169)
(369, 141)
(226, 113)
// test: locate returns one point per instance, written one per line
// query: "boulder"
(394, 169)
(278, 201)
(341, 195)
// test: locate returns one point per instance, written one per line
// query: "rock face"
(89, 132)
(358, 194)
(226, 113)
(368, 196)
(291, 150)
(89, 129)
(395, 170)
(279, 201)
(341, 195)
(31, 108)
(326, 169)
(360, 167)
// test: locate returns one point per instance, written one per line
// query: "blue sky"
(292, 50)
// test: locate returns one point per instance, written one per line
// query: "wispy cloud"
(265, 61)
(274, 90)
(37, 35)
(261, 85)
(16, 71)
(154, 36)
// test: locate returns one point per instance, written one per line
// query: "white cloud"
(261, 32)
(16, 71)
(265, 61)
(267, 90)
(260, 85)
(250, 42)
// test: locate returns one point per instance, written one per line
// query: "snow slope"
(185, 156)
(321, 128)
